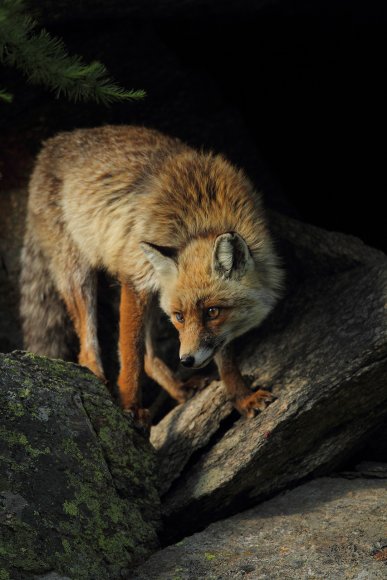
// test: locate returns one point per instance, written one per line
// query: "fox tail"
(46, 326)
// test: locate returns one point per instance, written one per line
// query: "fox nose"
(187, 360)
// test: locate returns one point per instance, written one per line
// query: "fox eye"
(179, 316)
(212, 312)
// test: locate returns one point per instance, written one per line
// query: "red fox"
(162, 218)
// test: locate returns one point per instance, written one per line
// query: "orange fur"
(246, 402)
(108, 198)
(132, 309)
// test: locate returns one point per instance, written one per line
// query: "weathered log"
(323, 353)
(77, 489)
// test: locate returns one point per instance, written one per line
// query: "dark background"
(292, 91)
(308, 79)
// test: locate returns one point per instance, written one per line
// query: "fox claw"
(257, 401)
(140, 417)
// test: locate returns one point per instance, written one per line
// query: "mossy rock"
(77, 491)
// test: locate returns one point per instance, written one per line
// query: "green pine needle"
(44, 60)
(5, 96)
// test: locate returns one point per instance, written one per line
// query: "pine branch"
(5, 96)
(44, 60)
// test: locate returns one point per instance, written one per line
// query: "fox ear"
(161, 259)
(231, 256)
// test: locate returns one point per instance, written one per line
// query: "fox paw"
(140, 417)
(193, 385)
(257, 401)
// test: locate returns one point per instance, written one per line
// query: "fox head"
(213, 291)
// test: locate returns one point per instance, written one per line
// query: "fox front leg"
(159, 371)
(131, 347)
(247, 402)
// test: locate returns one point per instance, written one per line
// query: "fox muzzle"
(198, 359)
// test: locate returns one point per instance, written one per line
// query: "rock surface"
(329, 528)
(77, 489)
(323, 353)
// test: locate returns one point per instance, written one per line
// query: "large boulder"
(77, 488)
(328, 528)
(323, 353)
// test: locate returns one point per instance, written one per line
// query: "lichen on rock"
(77, 490)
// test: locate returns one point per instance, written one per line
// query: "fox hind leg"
(77, 286)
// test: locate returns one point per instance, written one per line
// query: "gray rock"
(52, 576)
(371, 469)
(328, 529)
(323, 353)
(77, 491)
